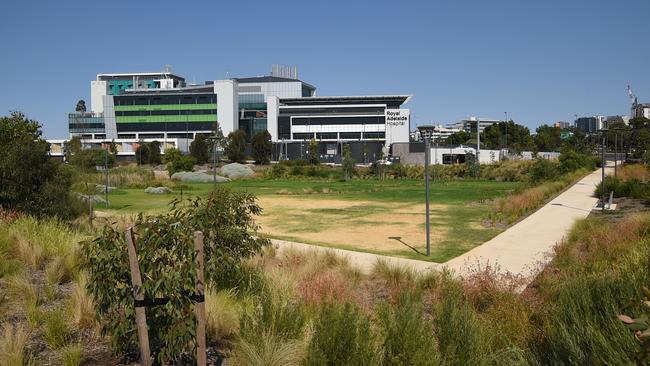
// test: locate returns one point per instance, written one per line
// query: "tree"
(547, 138)
(199, 149)
(72, 147)
(154, 153)
(148, 153)
(177, 162)
(142, 153)
(516, 140)
(262, 147)
(30, 180)
(348, 163)
(235, 146)
(458, 138)
(81, 106)
(112, 148)
(313, 152)
(90, 158)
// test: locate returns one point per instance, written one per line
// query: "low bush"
(13, 341)
(408, 337)
(71, 355)
(55, 329)
(511, 208)
(165, 242)
(269, 349)
(341, 336)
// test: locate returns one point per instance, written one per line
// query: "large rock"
(197, 177)
(93, 198)
(236, 171)
(100, 188)
(157, 190)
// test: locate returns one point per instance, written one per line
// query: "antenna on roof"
(167, 69)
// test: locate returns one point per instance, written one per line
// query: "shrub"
(341, 336)
(347, 164)
(165, 242)
(313, 152)
(543, 170)
(408, 337)
(458, 333)
(31, 181)
(56, 331)
(262, 147)
(148, 153)
(13, 340)
(177, 162)
(571, 160)
(89, 159)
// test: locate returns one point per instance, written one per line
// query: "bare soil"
(372, 231)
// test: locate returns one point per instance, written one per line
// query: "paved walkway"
(522, 249)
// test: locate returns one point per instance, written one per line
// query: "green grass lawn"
(458, 207)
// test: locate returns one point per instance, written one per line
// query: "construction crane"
(631, 95)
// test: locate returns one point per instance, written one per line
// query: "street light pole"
(603, 176)
(506, 113)
(427, 152)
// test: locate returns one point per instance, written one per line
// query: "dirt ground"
(345, 223)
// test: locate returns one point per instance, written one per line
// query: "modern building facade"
(590, 124)
(469, 124)
(162, 106)
(435, 132)
(640, 110)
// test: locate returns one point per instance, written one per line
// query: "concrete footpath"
(523, 249)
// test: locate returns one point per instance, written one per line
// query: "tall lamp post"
(427, 152)
(506, 113)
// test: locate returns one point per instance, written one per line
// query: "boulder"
(157, 190)
(236, 171)
(100, 188)
(197, 177)
(93, 198)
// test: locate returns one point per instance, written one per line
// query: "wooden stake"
(140, 315)
(199, 307)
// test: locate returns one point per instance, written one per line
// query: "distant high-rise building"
(469, 124)
(562, 124)
(640, 110)
(590, 124)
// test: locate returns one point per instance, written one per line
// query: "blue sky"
(541, 61)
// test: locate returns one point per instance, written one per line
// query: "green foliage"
(89, 159)
(517, 138)
(148, 153)
(547, 138)
(235, 146)
(262, 147)
(30, 180)
(313, 152)
(348, 163)
(72, 147)
(458, 138)
(166, 259)
(341, 336)
(71, 355)
(55, 329)
(301, 168)
(641, 328)
(177, 162)
(543, 170)
(632, 188)
(199, 149)
(572, 160)
(460, 337)
(408, 337)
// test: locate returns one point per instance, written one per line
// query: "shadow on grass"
(399, 239)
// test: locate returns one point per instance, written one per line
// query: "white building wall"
(97, 92)
(227, 105)
(272, 111)
(286, 89)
